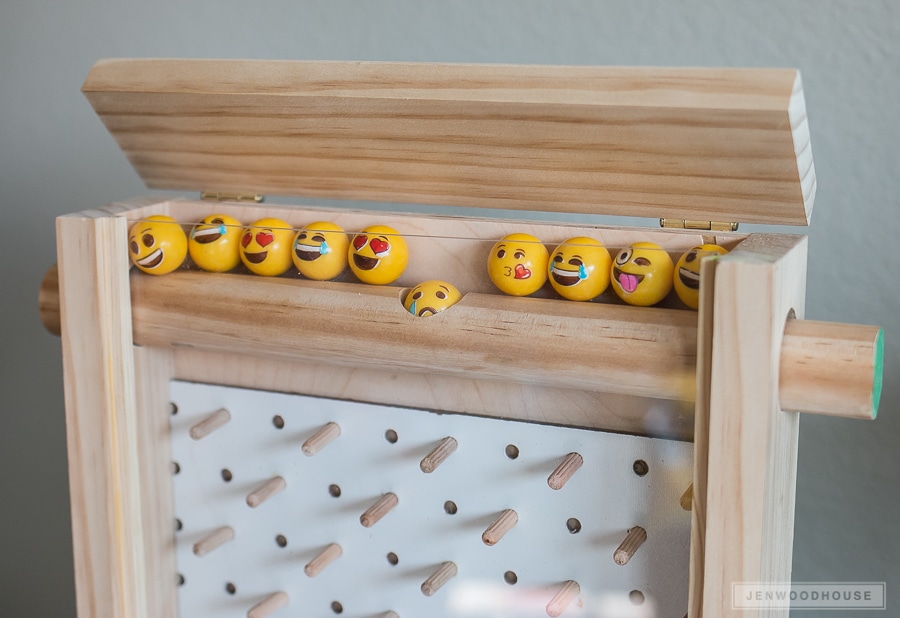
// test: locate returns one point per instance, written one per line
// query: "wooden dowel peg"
(436, 457)
(265, 491)
(218, 537)
(444, 573)
(687, 498)
(567, 593)
(390, 614)
(269, 605)
(208, 425)
(503, 524)
(321, 439)
(325, 557)
(378, 510)
(565, 470)
(626, 550)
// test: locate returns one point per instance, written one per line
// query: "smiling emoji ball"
(687, 273)
(320, 251)
(579, 268)
(431, 297)
(215, 242)
(642, 274)
(157, 245)
(266, 247)
(378, 255)
(517, 264)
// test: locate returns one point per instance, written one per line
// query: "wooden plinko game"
(424, 437)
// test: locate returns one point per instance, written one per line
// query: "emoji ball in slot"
(320, 250)
(641, 274)
(687, 272)
(266, 247)
(378, 255)
(431, 297)
(579, 268)
(215, 243)
(157, 245)
(517, 264)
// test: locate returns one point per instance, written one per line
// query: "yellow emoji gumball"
(215, 242)
(687, 273)
(642, 274)
(157, 245)
(431, 297)
(266, 247)
(579, 268)
(320, 251)
(517, 264)
(378, 255)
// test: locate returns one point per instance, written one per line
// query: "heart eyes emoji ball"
(266, 247)
(378, 255)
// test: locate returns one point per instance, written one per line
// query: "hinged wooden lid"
(710, 144)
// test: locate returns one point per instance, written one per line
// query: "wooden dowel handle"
(626, 550)
(208, 425)
(265, 491)
(436, 457)
(500, 526)
(564, 471)
(378, 510)
(48, 301)
(567, 593)
(687, 498)
(268, 606)
(436, 580)
(321, 439)
(325, 557)
(217, 538)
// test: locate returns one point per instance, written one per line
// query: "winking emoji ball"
(157, 245)
(320, 251)
(517, 264)
(378, 255)
(266, 247)
(687, 273)
(642, 274)
(431, 297)
(579, 268)
(215, 242)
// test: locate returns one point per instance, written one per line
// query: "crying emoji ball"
(320, 251)
(579, 268)
(215, 242)
(642, 274)
(157, 245)
(517, 264)
(431, 297)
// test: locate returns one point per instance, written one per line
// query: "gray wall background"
(55, 157)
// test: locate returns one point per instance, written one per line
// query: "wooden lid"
(705, 144)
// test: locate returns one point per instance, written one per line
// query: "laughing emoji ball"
(215, 242)
(266, 247)
(517, 264)
(687, 273)
(320, 251)
(157, 245)
(579, 268)
(642, 274)
(378, 255)
(431, 297)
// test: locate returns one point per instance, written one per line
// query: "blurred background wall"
(55, 157)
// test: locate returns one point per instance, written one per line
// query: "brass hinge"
(222, 196)
(687, 224)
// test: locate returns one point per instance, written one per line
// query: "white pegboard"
(606, 496)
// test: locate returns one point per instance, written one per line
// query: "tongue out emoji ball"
(215, 242)
(579, 268)
(157, 245)
(431, 297)
(378, 255)
(687, 273)
(320, 251)
(266, 247)
(517, 264)
(642, 274)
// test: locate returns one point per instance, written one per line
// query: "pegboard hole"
(511, 578)
(178, 525)
(636, 597)
(640, 467)
(334, 490)
(392, 559)
(281, 540)
(336, 607)
(227, 475)
(573, 525)
(512, 451)
(180, 579)
(450, 507)
(173, 408)
(230, 588)
(278, 422)
(175, 467)
(391, 436)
